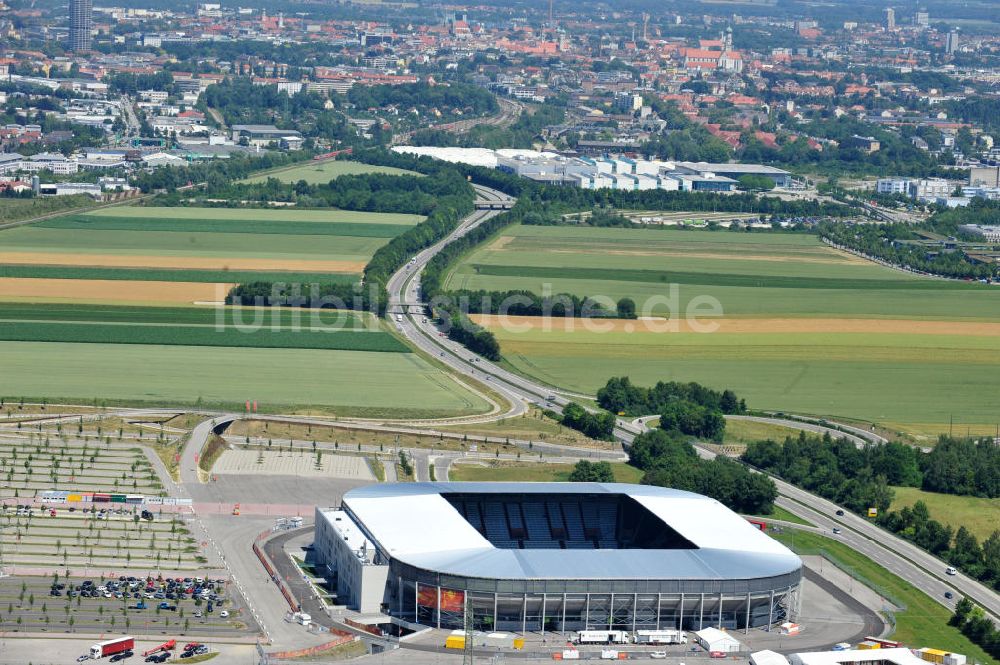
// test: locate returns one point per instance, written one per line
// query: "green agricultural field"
(249, 337)
(800, 327)
(979, 515)
(255, 214)
(533, 472)
(229, 316)
(286, 380)
(323, 172)
(141, 243)
(750, 274)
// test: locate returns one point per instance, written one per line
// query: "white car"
(951, 571)
(224, 614)
(658, 654)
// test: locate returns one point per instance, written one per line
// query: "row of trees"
(670, 461)
(903, 245)
(368, 192)
(619, 395)
(216, 173)
(954, 466)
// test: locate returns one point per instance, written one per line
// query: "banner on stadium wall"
(154, 500)
(427, 596)
(452, 601)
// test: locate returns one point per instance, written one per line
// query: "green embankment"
(924, 622)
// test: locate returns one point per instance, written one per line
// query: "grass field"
(193, 245)
(747, 431)
(801, 327)
(924, 622)
(533, 472)
(290, 380)
(322, 172)
(979, 515)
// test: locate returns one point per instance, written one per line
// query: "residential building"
(81, 24)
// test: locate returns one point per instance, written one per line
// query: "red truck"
(111, 647)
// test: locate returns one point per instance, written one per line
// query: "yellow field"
(110, 290)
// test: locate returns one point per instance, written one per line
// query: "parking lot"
(138, 604)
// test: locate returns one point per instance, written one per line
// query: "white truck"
(660, 637)
(601, 637)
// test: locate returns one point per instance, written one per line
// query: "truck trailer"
(601, 637)
(111, 647)
(660, 637)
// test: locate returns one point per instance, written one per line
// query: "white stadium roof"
(414, 524)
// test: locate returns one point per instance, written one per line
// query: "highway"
(901, 557)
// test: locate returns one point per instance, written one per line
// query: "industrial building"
(553, 556)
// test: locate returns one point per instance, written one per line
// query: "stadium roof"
(414, 524)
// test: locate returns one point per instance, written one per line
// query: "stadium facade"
(553, 556)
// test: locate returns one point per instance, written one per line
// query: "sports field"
(800, 327)
(149, 248)
(322, 172)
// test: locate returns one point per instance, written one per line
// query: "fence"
(272, 573)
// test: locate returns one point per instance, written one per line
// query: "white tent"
(713, 639)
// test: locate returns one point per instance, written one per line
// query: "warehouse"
(553, 556)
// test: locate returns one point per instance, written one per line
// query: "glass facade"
(570, 605)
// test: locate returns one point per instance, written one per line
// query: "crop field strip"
(251, 337)
(744, 280)
(171, 274)
(225, 316)
(804, 327)
(194, 225)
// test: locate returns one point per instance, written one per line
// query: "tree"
(752, 182)
(966, 553)
(596, 472)
(626, 308)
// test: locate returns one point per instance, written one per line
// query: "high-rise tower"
(890, 19)
(81, 24)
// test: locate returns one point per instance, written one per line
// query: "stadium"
(553, 557)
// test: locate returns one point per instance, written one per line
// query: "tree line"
(903, 245)
(863, 478)
(215, 173)
(669, 460)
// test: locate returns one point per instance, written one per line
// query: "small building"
(265, 135)
(713, 639)
(867, 144)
